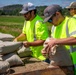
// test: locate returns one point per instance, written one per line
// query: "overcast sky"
(63, 3)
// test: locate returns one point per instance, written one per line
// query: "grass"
(13, 25)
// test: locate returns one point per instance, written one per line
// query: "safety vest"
(35, 30)
(72, 49)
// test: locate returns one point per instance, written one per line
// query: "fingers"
(26, 44)
(44, 53)
(47, 48)
(15, 40)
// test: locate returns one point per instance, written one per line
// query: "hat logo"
(47, 14)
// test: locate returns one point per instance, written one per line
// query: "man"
(34, 30)
(63, 31)
(72, 9)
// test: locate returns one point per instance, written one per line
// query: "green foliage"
(65, 12)
(40, 10)
(15, 9)
(12, 9)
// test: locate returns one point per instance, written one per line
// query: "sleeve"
(24, 28)
(41, 30)
(72, 27)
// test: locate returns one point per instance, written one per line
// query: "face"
(27, 16)
(71, 10)
(54, 20)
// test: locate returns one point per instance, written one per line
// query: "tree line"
(15, 9)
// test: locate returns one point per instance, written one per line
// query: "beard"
(27, 19)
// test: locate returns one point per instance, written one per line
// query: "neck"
(33, 17)
(62, 18)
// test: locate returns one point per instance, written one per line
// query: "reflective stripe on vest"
(73, 33)
(75, 66)
(34, 29)
(53, 27)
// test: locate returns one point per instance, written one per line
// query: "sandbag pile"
(8, 57)
(23, 52)
(8, 47)
(6, 37)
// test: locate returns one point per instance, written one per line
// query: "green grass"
(11, 24)
(12, 19)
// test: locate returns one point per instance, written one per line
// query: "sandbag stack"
(8, 57)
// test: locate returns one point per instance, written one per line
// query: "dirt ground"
(31, 64)
(35, 67)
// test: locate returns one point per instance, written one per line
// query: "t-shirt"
(74, 16)
(41, 32)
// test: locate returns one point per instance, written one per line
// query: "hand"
(26, 44)
(44, 53)
(50, 44)
(15, 40)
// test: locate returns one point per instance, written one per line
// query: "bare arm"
(35, 43)
(64, 41)
(21, 37)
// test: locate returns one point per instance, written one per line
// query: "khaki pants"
(61, 57)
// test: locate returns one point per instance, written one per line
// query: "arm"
(64, 41)
(21, 37)
(35, 43)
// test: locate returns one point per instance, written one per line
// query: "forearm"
(66, 41)
(35, 43)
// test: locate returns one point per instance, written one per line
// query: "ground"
(35, 67)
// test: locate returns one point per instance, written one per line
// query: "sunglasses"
(50, 20)
(70, 9)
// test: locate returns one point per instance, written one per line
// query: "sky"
(63, 3)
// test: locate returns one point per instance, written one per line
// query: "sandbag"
(8, 47)
(4, 67)
(61, 56)
(13, 59)
(1, 41)
(6, 37)
(23, 52)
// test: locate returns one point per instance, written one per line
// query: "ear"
(57, 13)
(32, 11)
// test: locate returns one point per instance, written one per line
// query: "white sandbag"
(13, 59)
(6, 37)
(8, 47)
(4, 67)
(24, 52)
(1, 58)
(1, 41)
(61, 56)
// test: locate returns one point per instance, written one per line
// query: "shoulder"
(39, 19)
